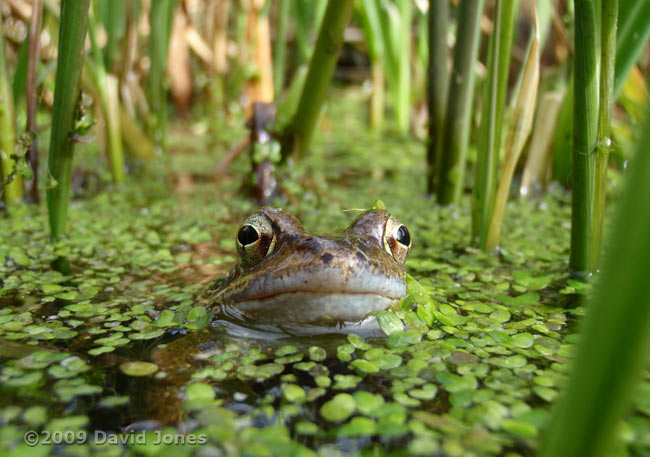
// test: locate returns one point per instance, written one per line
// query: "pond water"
(469, 363)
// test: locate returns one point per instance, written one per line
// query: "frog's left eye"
(397, 239)
(255, 239)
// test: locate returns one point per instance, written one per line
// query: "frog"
(286, 274)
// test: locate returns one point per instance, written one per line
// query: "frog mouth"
(308, 292)
(318, 285)
(313, 307)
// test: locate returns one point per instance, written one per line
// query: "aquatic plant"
(632, 35)
(493, 110)
(280, 46)
(608, 22)
(461, 93)
(160, 18)
(368, 12)
(31, 66)
(107, 87)
(521, 122)
(476, 355)
(615, 332)
(437, 87)
(74, 24)
(12, 181)
(594, 45)
(298, 134)
(396, 20)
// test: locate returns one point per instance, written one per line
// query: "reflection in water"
(160, 399)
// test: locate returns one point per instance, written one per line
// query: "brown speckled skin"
(302, 265)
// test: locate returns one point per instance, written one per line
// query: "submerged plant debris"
(471, 362)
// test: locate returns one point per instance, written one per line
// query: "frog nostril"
(326, 258)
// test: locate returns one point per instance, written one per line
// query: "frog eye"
(397, 239)
(255, 239)
(247, 235)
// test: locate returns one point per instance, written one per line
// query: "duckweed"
(470, 361)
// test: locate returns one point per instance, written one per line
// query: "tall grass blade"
(112, 13)
(518, 132)
(544, 10)
(608, 16)
(537, 169)
(419, 66)
(319, 12)
(461, 93)
(615, 334)
(308, 15)
(302, 22)
(12, 181)
(160, 20)
(395, 23)
(220, 52)
(19, 77)
(585, 124)
(239, 71)
(321, 68)
(113, 128)
(280, 47)
(377, 96)
(402, 97)
(107, 87)
(437, 85)
(74, 24)
(632, 38)
(138, 144)
(563, 139)
(368, 16)
(490, 135)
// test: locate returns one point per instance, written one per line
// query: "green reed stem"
(632, 38)
(160, 19)
(307, 15)
(563, 138)
(395, 20)
(402, 93)
(19, 77)
(12, 184)
(437, 86)
(321, 68)
(615, 334)
(459, 108)
(72, 34)
(113, 13)
(377, 96)
(608, 19)
(370, 22)
(491, 130)
(280, 48)
(585, 118)
(31, 96)
(108, 99)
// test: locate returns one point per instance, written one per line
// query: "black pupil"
(247, 235)
(403, 235)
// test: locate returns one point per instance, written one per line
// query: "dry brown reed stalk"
(258, 36)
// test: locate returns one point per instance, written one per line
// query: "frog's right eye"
(255, 239)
